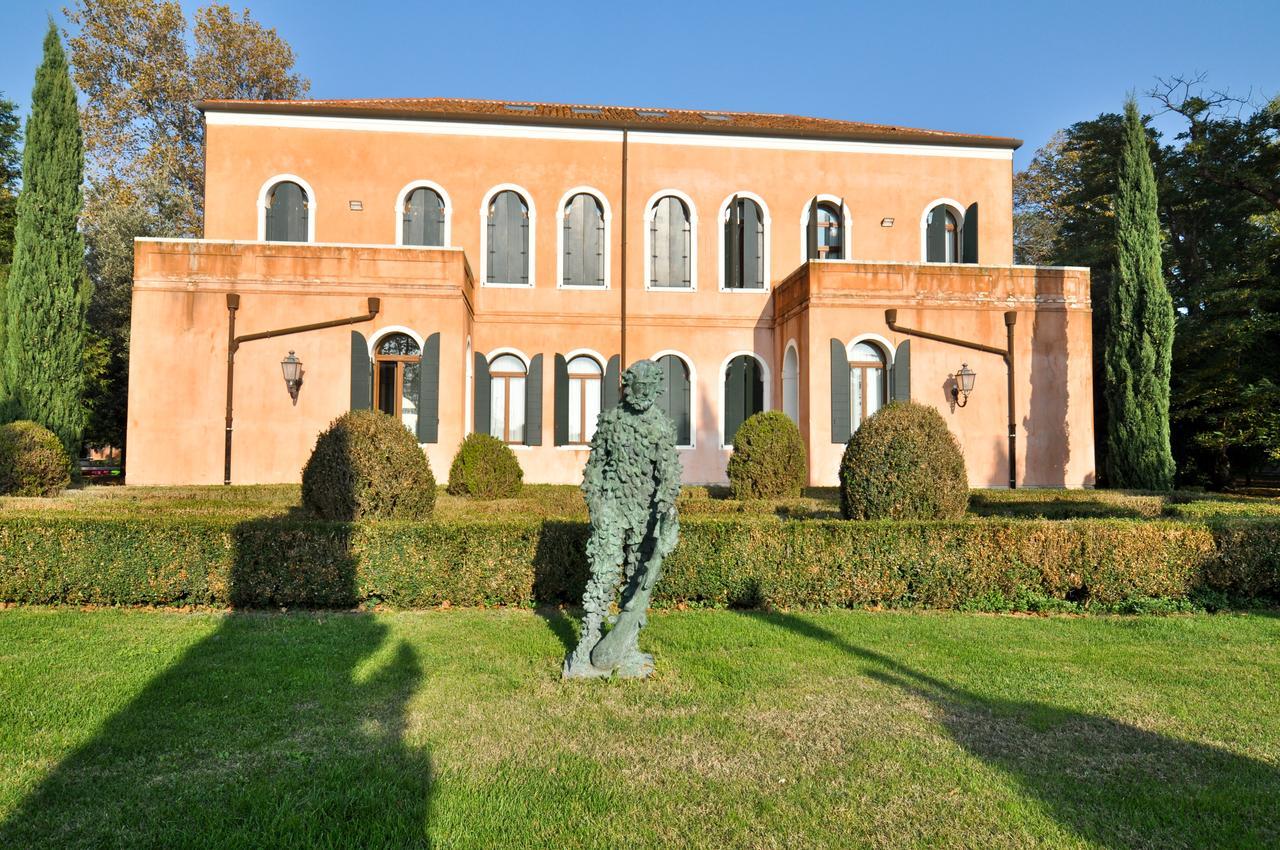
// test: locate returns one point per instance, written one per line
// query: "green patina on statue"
(631, 483)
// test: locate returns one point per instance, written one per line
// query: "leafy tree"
(47, 290)
(1221, 205)
(10, 174)
(1139, 338)
(144, 73)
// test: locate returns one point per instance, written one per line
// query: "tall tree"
(1139, 339)
(1221, 206)
(10, 174)
(144, 72)
(48, 290)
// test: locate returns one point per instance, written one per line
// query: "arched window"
(423, 217)
(287, 211)
(825, 230)
(507, 239)
(582, 260)
(744, 238)
(791, 384)
(670, 244)
(675, 397)
(507, 375)
(397, 363)
(951, 236)
(868, 385)
(743, 393)
(584, 398)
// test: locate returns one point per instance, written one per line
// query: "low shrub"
(768, 460)
(485, 468)
(903, 463)
(33, 461)
(367, 465)
(734, 561)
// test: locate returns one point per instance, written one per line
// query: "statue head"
(641, 384)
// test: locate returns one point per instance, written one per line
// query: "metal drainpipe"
(622, 354)
(1010, 319)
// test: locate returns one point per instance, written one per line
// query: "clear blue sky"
(1005, 68)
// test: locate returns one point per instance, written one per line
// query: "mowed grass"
(130, 728)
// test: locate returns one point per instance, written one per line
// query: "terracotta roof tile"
(613, 117)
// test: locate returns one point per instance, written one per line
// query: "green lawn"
(451, 728)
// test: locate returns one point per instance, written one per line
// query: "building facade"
(520, 254)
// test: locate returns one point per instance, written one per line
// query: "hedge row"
(726, 561)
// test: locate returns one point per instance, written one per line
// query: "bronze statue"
(630, 483)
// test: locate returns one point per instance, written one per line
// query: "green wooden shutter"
(611, 388)
(752, 228)
(970, 234)
(734, 397)
(936, 236)
(562, 401)
(361, 373)
(840, 403)
(901, 373)
(811, 232)
(480, 396)
(846, 238)
(733, 246)
(429, 395)
(533, 403)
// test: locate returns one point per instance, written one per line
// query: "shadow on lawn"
(273, 731)
(1109, 782)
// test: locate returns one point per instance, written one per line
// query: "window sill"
(745, 290)
(581, 287)
(648, 288)
(495, 285)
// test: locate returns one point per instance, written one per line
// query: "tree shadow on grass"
(1110, 782)
(273, 731)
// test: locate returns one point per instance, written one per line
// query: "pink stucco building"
(521, 253)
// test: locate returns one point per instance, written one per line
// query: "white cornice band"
(577, 134)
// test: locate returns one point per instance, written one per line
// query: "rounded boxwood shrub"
(903, 463)
(367, 465)
(768, 460)
(33, 461)
(485, 468)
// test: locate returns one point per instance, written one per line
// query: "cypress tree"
(48, 292)
(1139, 340)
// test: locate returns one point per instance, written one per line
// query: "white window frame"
(602, 362)
(399, 212)
(958, 211)
(693, 392)
(484, 236)
(887, 350)
(767, 255)
(524, 358)
(846, 223)
(787, 349)
(765, 377)
(608, 234)
(312, 206)
(649, 211)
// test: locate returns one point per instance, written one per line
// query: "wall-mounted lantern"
(962, 385)
(292, 368)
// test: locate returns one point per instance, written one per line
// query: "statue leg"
(605, 553)
(619, 650)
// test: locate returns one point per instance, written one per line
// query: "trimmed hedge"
(729, 561)
(366, 465)
(768, 460)
(485, 468)
(33, 461)
(903, 464)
